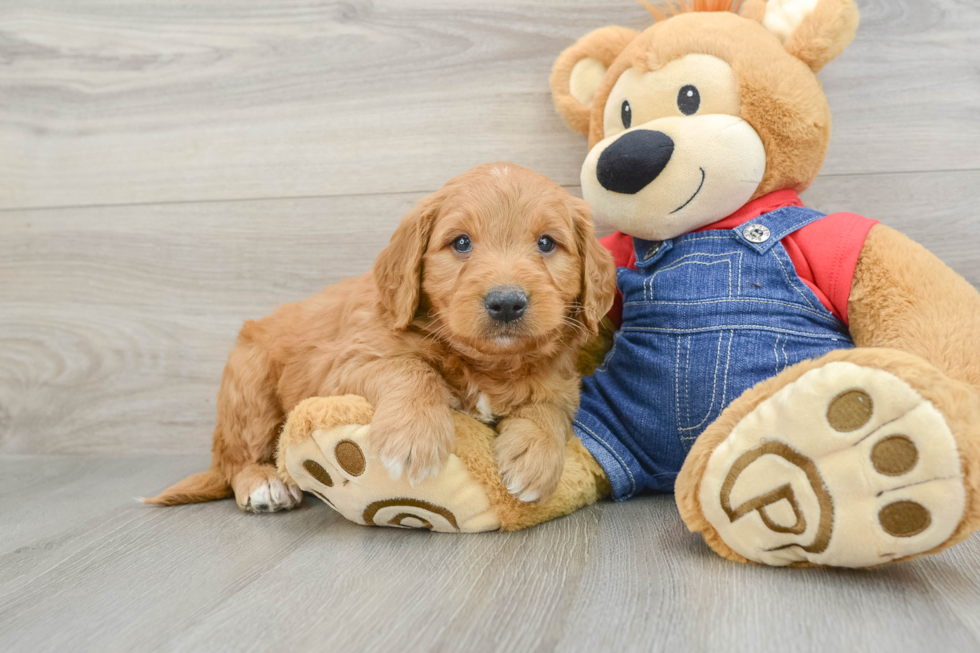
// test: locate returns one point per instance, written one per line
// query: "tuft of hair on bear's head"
(684, 7)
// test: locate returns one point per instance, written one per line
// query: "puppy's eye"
(627, 114)
(688, 100)
(546, 244)
(462, 244)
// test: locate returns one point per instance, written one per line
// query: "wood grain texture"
(202, 163)
(150, 101)
(116, 321)
(88, 569)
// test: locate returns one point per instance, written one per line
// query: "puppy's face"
(509, 262)
(502, 267)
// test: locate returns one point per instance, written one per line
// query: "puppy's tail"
(197, 488)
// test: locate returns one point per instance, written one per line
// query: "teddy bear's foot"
(324, 448)
(848, 466)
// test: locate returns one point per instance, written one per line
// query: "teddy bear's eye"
(688, 100)
(627, 114)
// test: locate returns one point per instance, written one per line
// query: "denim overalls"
(706, 316)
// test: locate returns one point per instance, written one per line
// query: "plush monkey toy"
(808, 385)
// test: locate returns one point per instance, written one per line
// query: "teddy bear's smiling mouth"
(700, 186)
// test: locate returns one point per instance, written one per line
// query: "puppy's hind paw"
(259, 489)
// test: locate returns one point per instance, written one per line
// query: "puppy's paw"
(326, 450)
(415, 440)
(258, 488)
(531, 461)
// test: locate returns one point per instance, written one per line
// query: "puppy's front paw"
(415, 440)
(531, 461)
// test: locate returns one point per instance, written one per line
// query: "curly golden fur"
(413, 336)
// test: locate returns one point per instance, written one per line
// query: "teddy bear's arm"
(904, 297)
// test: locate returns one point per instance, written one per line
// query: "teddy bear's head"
(703, 111)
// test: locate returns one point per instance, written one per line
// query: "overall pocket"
(702, 369)
(715, 275)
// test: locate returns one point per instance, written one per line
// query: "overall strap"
(762, 233)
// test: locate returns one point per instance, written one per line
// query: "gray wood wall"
(168, 170)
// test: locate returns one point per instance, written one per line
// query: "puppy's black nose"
(634, 160)
(506, 303)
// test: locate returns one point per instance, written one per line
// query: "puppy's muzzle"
(634, 160)
(506, 304)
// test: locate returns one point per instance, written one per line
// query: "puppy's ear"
(398, 268)
(814, 31)
(598, 269)
(580, 69)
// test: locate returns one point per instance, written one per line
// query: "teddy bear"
(807, 385)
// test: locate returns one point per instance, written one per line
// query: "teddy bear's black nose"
(634, 160)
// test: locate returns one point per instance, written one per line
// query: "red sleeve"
(825, 254)
(621, 247)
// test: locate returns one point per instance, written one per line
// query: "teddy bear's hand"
(416, 439)
(530, 458)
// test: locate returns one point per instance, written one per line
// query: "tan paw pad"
(848, 466)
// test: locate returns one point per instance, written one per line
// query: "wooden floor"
(168, 169)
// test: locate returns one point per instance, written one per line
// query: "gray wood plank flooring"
(94, 570)
(169, 169)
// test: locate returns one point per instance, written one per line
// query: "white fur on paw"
(273, 496)
(394, 467)
(425, 473)
(530, 467)
(529, 497)
(516, 485)
(414, 456)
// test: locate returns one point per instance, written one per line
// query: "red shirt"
(825, 252)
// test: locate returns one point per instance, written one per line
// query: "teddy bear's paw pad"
(848, 466)
(336, 465)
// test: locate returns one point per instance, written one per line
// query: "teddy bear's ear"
(814, 31)
(580, 69)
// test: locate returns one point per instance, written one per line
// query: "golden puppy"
(478, 304)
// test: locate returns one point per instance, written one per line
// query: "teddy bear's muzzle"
(632, 162)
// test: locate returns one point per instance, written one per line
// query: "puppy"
(479, 304)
